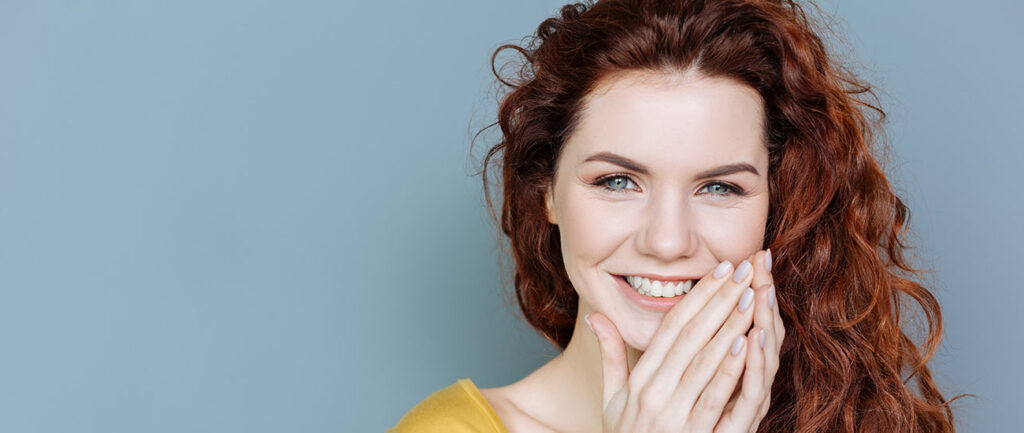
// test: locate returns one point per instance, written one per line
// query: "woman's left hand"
(749, 403)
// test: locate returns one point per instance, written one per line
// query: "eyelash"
(602, 182)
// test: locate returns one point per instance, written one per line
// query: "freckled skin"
(666, 222)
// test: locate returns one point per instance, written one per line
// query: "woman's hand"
(686, 379)
(749, 404)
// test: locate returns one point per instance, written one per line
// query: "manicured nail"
(771, 296)
(761, 337)
(586, 318)
(737, 345)
(722, 269)
(768, 260)
(741, 271)
(746, 299)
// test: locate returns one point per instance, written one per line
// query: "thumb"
(613, 355)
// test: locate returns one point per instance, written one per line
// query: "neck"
(567, 393)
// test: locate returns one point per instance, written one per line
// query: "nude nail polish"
(746, 299)
(737, 345)
(722, 269)
(741, 271)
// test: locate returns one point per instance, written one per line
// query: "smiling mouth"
(655, 288)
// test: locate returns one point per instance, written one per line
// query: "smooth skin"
(642, 370)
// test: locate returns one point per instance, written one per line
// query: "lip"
(649, 303)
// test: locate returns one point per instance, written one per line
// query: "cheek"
(590, 230)
(736, 234)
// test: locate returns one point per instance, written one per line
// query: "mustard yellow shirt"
(459, 408)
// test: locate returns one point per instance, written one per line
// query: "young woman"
(652, 151)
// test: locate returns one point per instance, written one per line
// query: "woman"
(652, 151)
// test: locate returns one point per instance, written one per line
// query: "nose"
(668, 231)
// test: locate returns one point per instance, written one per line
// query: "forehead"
(678, 119)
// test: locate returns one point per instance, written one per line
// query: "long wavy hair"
(835, 224)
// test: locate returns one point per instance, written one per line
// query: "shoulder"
(458, 408)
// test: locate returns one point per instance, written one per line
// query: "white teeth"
(669, 289)
(657, 288)
(684, 287)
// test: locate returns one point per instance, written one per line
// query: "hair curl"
(835, 223)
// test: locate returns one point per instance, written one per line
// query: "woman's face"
(665, 177)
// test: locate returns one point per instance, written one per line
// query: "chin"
(636, 327)
(638, 334)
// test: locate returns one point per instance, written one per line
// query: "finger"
(762, 261)
(701, 370)
(762, 412)
(696, 334)
(768, 317)
(772, 345)
(746, 411)
(710, 406)
(764, 318)
(677, 317)
(613, 355)
(780, 327)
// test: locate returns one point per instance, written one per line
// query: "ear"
(549, 204)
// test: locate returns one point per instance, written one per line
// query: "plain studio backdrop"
(258, 216)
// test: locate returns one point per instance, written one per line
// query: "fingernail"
(771, 296)
(768, 260)
(737, 345)
(761, 337)
(746, 299)
(741, 271)
(586, 318)
(722, 269)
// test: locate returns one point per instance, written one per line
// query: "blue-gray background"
(228, 216)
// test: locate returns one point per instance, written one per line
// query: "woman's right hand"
(690, 370)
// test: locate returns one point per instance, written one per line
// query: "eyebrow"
(629, 164)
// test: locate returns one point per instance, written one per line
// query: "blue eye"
(723, 189)
(619, 183)
(614, 182)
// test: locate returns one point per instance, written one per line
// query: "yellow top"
(459, 408)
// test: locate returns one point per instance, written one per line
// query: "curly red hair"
(835, 224)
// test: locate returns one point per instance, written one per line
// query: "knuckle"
(650, 398)
(739, 322)
(732, 373)
(755, 392)
(689, 332)
(701, 362)
(712, 402)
